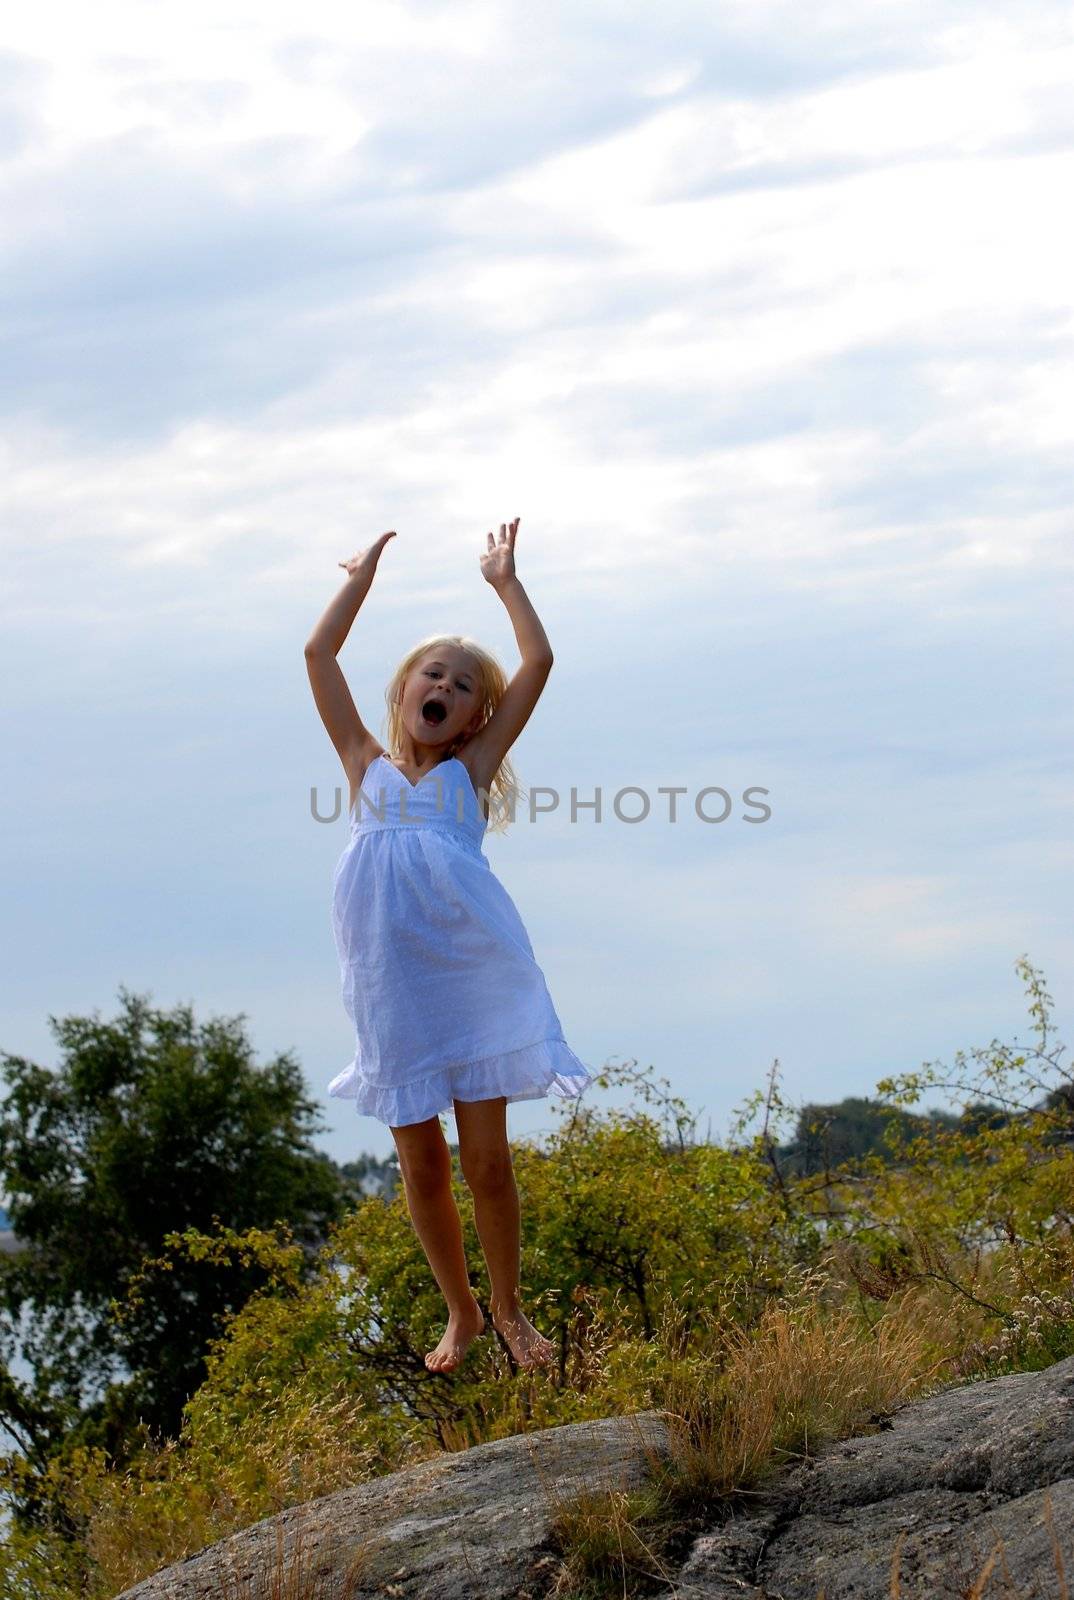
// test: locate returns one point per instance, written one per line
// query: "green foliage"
(829, 1135)
(630, 1206)
(39, 1563)
(940, 1244)
(151, 1124)
(369, 1174)
(1004, 1173)
(738, 1404)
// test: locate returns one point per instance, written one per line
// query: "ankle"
(507, 1305)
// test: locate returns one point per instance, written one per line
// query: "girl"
(451, 1011)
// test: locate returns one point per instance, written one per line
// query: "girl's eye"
(432, 672)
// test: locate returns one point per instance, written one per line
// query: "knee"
(426, 1175)
(488, 1171)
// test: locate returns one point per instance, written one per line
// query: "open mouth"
(433, 711)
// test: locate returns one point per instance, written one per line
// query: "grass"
(739, 1406)
(827, 1358)
(981, 1585)
(290, 1572)
(181, 1503)
(616, 1535)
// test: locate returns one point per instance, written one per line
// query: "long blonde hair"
(504, 788)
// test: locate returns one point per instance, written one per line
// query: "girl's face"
(441, 697)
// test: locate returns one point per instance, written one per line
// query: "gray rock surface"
(967, 1472)
(953, 1477)
(474, 1524)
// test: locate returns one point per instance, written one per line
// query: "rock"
(473, 1524)
(953, 1476)
(938, 1488)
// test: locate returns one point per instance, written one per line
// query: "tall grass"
(739, 1404)
(289, 1571)
(751, 1400)
(743, 1393)
(181, 1501)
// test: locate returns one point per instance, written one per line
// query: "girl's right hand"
(368, 557)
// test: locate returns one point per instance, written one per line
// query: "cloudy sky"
(764, 332)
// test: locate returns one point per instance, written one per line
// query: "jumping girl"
(450, 1009)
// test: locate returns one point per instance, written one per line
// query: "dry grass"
(292, 1572)
(175, 1503)
(981, 1586)
(616, 1534)
(738, 1406)
(750, 1402)
(829, 1358)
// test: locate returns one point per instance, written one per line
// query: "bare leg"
(486, 1165)
(425, 1164)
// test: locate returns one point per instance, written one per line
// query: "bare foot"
(463, 1326)
(529, 1348)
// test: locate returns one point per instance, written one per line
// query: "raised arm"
(347, 731)
(524, 690)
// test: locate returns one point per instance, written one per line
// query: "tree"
(369, 1174)
(827, 1134)
(151, 1124)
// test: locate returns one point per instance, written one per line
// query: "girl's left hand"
(498, 564)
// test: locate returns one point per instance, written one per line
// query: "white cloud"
(763, 328)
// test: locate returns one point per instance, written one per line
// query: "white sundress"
(438, 973)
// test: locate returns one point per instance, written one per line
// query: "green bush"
(665, 1269)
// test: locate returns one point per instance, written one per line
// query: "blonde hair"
(504, 788)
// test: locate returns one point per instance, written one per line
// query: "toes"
(442, 1360)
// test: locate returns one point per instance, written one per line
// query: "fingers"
(374, 551)
(506, 537)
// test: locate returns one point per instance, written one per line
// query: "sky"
(762, 324)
